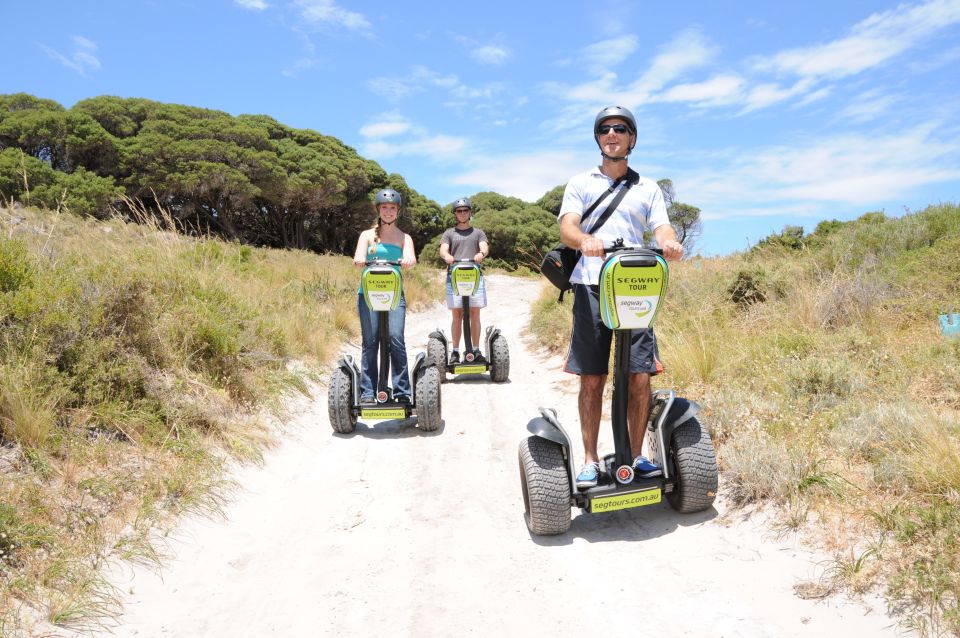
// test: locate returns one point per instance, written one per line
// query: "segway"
(465, 280)
(381, 285)
(633, 283)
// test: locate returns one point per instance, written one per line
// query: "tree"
(684, 218)
(519, 232)
(552, 199)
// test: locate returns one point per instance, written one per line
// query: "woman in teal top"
(384, 241)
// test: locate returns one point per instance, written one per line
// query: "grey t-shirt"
(464, 244)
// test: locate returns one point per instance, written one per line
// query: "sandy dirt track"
(394, 532)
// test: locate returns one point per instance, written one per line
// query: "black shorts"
(590, 340)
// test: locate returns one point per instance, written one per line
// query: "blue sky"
(763, 114)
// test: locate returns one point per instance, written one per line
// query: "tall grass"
(135, 362)
(831, 394)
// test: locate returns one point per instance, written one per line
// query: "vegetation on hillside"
(829, 390)
(519, 233)
(247, 178)
(134, 364)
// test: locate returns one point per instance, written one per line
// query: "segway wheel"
(339, 398)
(437, 354)
(546, 487)
(427, 396)
(499, 359)
(695, 464)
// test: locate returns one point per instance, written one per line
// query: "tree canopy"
(247, 178)
(519, 232)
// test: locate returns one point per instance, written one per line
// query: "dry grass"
(136, 364)
(831, 394)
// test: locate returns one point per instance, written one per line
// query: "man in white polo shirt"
(642, 208)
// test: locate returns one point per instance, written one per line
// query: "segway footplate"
(623, 499)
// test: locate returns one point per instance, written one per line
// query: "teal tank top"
(391, 252)
(380, 250)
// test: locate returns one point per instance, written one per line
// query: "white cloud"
(490, 54)
(526, 176)
(870, 43)
(868, 106)
(388, 125)
(485, 92)
(764, 95)
(720, 90)
(815, 96)
(606, 53)
(852, 170)
(256, 5)
(328, 12)
(669, 76)
(433, 147)
(81, 59)
(302, 64)
(417, 80)
(689, 50)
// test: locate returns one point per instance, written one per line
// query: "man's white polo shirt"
(642, 208)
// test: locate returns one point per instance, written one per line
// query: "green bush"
(748, 287)
(16, 267)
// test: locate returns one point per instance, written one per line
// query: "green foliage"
(247, 178)
(750, 286)
(686, 223)
(19, 173)
(519, 233)
(791, 238)
(80, 192)
(552, 199)
(16, 267)
(830, 391)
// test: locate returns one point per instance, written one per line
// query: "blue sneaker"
(588, 475)
(644, 468)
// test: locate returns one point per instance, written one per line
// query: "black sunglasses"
(620, 129)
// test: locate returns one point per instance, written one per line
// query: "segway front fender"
(547, 426)
(492, 333)
(681, 411)
(678, 412)
(541, 427)
(420, 362)
(348, 365)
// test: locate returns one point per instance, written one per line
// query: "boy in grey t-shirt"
(463, 241)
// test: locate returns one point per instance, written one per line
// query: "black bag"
(558, 264)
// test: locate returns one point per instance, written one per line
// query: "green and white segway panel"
(465, 279)
(381, 285)
(632, 285)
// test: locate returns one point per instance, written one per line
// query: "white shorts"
(477, 299)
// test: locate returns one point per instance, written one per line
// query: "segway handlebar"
(618, 245)
(455, 262)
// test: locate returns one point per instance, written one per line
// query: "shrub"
(748, 287)
(16, 267)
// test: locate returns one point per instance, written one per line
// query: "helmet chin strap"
(612, 158)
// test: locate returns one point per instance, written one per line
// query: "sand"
(391, 531)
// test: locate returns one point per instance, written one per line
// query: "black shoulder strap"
(630, 178)
(598, 201)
